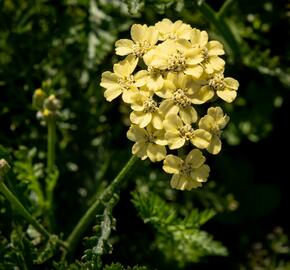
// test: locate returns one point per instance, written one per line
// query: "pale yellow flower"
(210, 51)
(214, 122)
(169, 30)
(145, 110)
(176, 56)
(148, 142)
(144, 38)
(189, 173)
(177, 133)
(155, 80)
(122, 81)
(226, 88)
(180, 92)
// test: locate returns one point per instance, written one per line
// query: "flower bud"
(52, 104)
(38, 98)
(4, 168)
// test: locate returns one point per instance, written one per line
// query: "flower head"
(169, 76)
(189, 173)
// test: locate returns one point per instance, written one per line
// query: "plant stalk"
(90, 214)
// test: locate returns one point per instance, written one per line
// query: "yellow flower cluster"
(168, 71)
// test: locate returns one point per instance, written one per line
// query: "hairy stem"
(89, 215)
(51, 137)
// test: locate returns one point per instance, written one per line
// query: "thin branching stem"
(89, 215)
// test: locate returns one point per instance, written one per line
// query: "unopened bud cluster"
(169, 70)
(48, 106)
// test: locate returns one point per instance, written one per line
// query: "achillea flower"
(214, 122)
(179, 93)
(122, 81)
(148, 142)
(169, 71)
(225, 88)
(176, 56)
(145, 110)
(210, 51)
(144, 38)
(177, 133)
(189, 173)
(169, 30)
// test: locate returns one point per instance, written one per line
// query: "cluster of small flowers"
(48, 106)
(178, 68)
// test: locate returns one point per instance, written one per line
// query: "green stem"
(50, 185)
(22, 211)
(90, 214)
(222, 27)
(51, 137)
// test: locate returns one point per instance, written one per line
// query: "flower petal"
(172, 164)
(201, 138)
(157, 120)
(112, 93)
(109, 80)
(231, 83)
(202, 95)
(124, 46)
(139, 149)
(136, 133)
(188, 115)
(156, 152)
(141, 119)
(137, 32)
(227, 95)
(215, 145)
(195, 158)
(201, 174)
(215, 48)
(194, 71)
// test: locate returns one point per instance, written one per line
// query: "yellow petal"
(215, 48)
(137, 32)
(172, 122)
(124, 46)
(129, 94)
(174, 140)
(141, 119)
(195, 158)
(231, 83)
(157, 120)
(151, 35)
(216, 62)
(167, 106)
(202, 95)
(227, 95)
(194, 71)
(188, 115)
(140, 150)
(172, 164)
(141, 78)
(215, 145)
(201, 138)
(218, 116)
(112, 93)
(206, 122)
(155, 83)
(156, 152)
(199, 37)
(201, 174)
(160, 137)
(109, 80)
(136, 133)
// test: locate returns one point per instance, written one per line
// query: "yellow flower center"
(204, 52)
(215, 130)
(181, 99)
(185, 169)
(150, 137)
(140, 48)
(126, 83)
(150, 105)
(186, 132)
(177, 61)
(217, 82)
